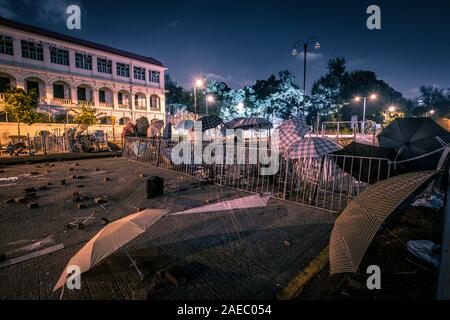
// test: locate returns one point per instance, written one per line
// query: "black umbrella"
(210, 122)
(364, 162)
(415, 137)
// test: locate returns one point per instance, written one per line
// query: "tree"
(365, 83)
(22, 106)
(87, 116)
(433, 98)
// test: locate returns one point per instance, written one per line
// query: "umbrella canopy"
(291, 131)
(110, 239)
(365, 164)
(168, 131)
(210, 122)
(235, 204)
(358, 224)
(253, 123)
(185, 125)
(412, 137)
(129, 131)
(230, 124)
(312, 148)
(155, 128)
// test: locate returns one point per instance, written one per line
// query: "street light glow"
(199, 83)
(431, 111)
(210, 98)
(373, 97)
(358, 99)
(391, 109)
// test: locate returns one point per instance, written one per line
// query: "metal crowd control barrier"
(328, 182)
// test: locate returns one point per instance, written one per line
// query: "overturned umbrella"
(120, 232)
(110, 239)
(235, 204)
(357, 226)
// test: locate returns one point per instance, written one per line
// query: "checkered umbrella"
(253, 123)
(291, 131)
(230, 124)
(210, 122)
(312, 148)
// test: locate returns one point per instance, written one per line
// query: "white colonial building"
(68, 72)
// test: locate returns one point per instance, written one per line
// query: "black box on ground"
(154, 187)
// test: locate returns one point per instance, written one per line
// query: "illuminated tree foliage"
(22, 106)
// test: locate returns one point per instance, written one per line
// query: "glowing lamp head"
(373, 96)
(432, 111)
(199, 83)
(210, 98)
(317, 45)
(357, 99)
(391, 109)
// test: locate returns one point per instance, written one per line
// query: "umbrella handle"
(134, 264)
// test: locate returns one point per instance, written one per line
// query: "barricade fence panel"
(328, 182)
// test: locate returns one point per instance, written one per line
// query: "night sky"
(240, 41)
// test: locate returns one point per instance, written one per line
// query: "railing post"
(286, 177)
(443, 292)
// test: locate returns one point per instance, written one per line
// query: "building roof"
(81, 42)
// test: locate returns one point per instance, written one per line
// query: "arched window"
(154, 102)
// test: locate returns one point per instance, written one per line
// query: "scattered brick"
(33, 205)
(20, 200)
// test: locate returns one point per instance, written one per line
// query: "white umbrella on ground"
(110, 239)
(235, 204)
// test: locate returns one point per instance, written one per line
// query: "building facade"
(68, 73)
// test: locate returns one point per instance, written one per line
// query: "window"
(33, 51)
(104, 65)
(102, 96)
(5, 84)
(123, 70)
(81, 94)
(139, 73)
(33, 85)
(154, 76)
(59, 56)
(154, 102)
(6, 45)
(120, 98)
(58, 91)
(83, 61)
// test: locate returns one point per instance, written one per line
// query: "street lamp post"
(302, 46)
(372, 97)
(198, 84)
(209, 99)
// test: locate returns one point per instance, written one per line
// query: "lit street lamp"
(431, 112)
(209, 99)
(391, 109)
(198, 84)
(302, 46)
(357, 99)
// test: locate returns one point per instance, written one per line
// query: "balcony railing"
(86, 103)
(141, 108)
(124, 106)
(108, 105)
(62, 102)
(2, 97)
